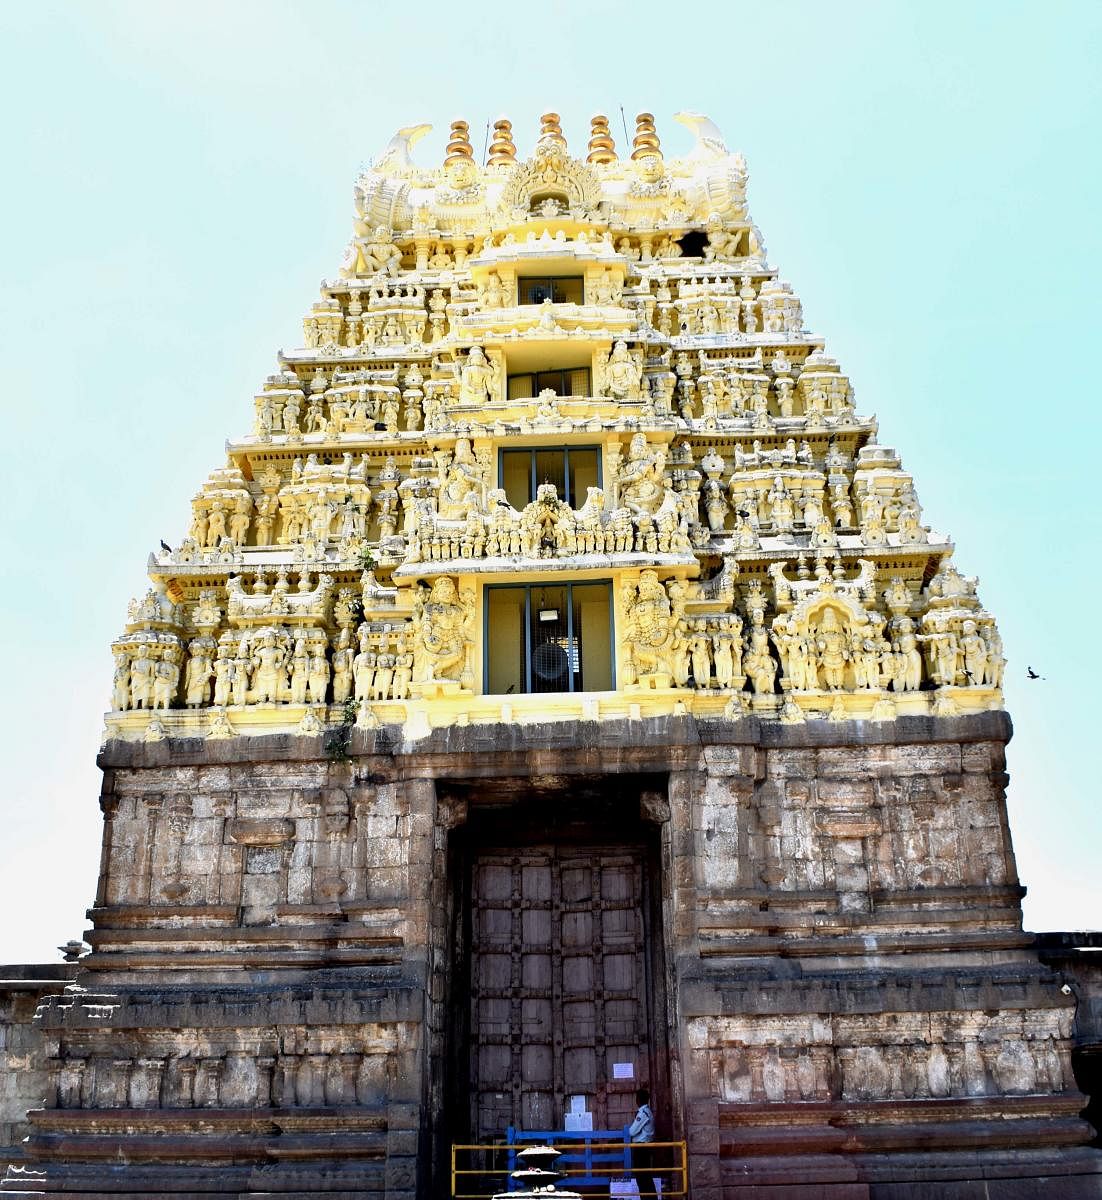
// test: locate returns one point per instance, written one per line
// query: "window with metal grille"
(573, 381)
(572, 469)
(548, 638)
(559, 289)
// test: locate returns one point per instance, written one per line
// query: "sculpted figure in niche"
(942, 655)
(441, 630)
(239, 522)
(270, 678)
(166, 677)
(199, 671)
(907, 673)
(623, 375)
(493, 293)
(650, 633)
(974, 650)
(142, 672)
(478, 379)
(363, 667)
(379, 253)
(317, 672)
(223, 676)
(242, 674)
(760, 664)
(216, 524)
(993, 674)
(342, 667)
(460, 482)
(642, 488)
(120, 683)
(832, 649)
(300, 669)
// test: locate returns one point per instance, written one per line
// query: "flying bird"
(1032, 674)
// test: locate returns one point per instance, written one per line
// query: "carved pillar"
(264, 1067)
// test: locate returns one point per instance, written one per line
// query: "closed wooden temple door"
(558, 987)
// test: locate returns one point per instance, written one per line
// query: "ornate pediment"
(552, 174)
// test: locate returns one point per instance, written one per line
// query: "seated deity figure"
(379, 253)
(441, 631)
(623, 376)
(642, 488)
(458, 479)
(478, 379)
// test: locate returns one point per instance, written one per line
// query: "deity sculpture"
(461, 482)
(379, 253)
(479, 379)
(142, 672)
(641, 477)
(622, 374)
(269, 660)
(197, 678)
(650, 631)
(442, 634)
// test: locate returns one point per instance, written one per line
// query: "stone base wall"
(26, 1078)
(853, 1003)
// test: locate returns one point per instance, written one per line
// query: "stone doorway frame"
(638, 797)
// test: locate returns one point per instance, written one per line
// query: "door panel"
(558, 986)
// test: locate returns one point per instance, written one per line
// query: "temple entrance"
(559, 965)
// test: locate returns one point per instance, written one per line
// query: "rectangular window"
(548, 638)
(572, 469)
(574, 381)
(559, 289)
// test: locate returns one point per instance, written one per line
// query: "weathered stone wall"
(847, 980)
(25, 1077)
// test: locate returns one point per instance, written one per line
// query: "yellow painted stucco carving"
(556, 444)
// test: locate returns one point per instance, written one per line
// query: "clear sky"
(177, 178)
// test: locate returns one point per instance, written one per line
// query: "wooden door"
(558, 986)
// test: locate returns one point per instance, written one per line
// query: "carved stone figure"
(442, 634)
(479, 381)
(640, 478)
(650, 630)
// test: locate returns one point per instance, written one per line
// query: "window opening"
(572, 469)
(548, 638)
(572, 381)
(559, 289)
(693, 243)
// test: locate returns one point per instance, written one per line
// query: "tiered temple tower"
(557, 689)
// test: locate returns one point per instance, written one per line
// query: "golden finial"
(503, 153)
(646, 137)
(602, 149)
(459, 144)
(550, 130)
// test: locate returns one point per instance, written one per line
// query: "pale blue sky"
(178, 178)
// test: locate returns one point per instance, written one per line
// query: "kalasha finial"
(459, 144)
(503, 153)
(602, 149)
(646, 137)
(550, 130)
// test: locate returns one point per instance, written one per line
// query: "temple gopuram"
(558, 690)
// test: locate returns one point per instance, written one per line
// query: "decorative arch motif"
(552, 171)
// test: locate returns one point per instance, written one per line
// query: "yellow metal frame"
(679, 1167)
